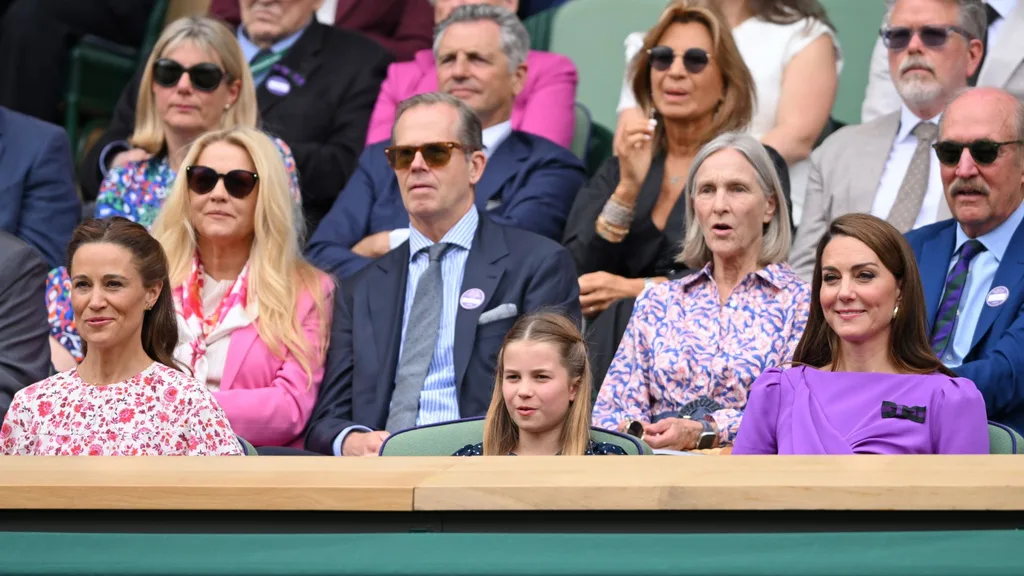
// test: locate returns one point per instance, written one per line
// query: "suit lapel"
(238, 347)
(302, 60)
(1008, 53)
(501, 167)
(877, 146)
(1009, 275)
(484, 273)
(3, 120)
(385, 299)
(934, 263)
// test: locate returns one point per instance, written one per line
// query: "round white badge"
(278, 86)
(472, 299)
(997, 296)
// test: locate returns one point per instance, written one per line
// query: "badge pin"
(472, 299)
(278, 86)
(997, 296)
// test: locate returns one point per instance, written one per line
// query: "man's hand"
(363, 443)
(374, 245)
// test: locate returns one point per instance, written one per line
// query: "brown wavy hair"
(159, 324)
(909, 348)
(737, 107)
(501, 435)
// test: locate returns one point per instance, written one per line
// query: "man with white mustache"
(972, 269)
(886, 167)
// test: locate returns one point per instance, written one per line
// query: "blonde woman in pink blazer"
(252, 314)
(544, 106)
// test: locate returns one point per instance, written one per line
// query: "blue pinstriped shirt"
(438, 401)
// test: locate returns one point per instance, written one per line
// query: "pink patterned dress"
(681, 343)
(159, 412)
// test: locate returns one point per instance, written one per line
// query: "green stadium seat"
(581, 133)
(1004, 440)
(857, 23)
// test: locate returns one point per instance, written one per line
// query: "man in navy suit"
(38, 201)
(972, 266)
(473, 275)
(530, 182)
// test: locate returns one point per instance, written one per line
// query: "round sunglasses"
(435, 154)
(695, 60)
(238, 183)
(205, 77)
(898, 38)
(984, 152)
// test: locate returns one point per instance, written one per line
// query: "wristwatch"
(700, 411)
(706, 439)
(648, 282)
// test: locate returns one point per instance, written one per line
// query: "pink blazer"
(268, 400)
(545, 107)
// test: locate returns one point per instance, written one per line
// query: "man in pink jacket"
(544, 107)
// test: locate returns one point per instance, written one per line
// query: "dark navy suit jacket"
(995, 362)
(38, 200)
(534, 179)
(507, 264)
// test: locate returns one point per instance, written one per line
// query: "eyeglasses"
(238, 183)
(435, 154)
(695, 60)
(897, 39)
(205, 77)
(984, 152)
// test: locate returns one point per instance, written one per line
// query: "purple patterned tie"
(945, 320)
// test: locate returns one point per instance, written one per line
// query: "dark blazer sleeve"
(348, 222)
(544, 196)
(333, 410)
(50, 207)
(326, 165)
(121, 127)
(591, 252)
(555, 285)
(24, 331)
(998, 371)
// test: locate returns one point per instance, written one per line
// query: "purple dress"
(807, 411)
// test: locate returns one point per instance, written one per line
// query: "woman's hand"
(599, 289)
(133, 155)
(634, 147)
(673, 434)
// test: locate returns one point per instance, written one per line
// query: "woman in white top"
(794, 56)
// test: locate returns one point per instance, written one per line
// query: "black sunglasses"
(695, 60)
(435, 154)
(205, 77)
(984, 152)
(238, 183)
(898, 38)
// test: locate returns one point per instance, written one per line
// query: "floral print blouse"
(681, 344)
(135, 191)
(158, 412)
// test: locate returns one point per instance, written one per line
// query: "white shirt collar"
(495, 135)
(1003, 7)
(909, 121)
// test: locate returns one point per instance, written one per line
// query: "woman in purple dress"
(864, 378)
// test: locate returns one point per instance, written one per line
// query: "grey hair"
(973, 17)
(469, 131)
(515, 40)
(778, 235)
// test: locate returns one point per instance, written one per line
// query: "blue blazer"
(534, 179)
(38, 199)
(995, 362)
(509, 265)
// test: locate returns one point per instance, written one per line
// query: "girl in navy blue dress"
(541, 400)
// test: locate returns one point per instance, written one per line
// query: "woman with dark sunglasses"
(199, 81)
(253, 315)
(627, 223)
(793, 54)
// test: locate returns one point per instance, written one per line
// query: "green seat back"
(857, 23)
(591, 33)
(447, 438)
(1004, 440)
(247, 448)
(581, 133)
(538, 27)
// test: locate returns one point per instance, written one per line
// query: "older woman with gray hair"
(694, 346)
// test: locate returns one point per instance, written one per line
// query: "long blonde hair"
(278, 273)
(501, 435)
(213, 37)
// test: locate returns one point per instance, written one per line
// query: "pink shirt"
(681, 344)
(545, 107)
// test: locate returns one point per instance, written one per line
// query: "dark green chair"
(247, 448)
(538, 27)
(581, 133)
(447, 438)
(98, 72)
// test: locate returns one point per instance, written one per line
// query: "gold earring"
(894, 311)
